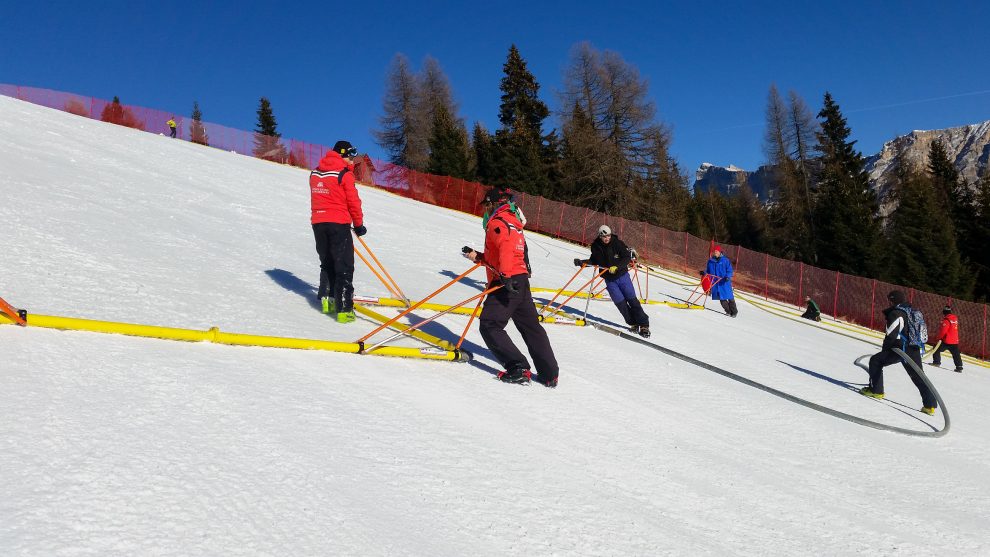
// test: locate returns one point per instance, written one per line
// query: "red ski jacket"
(333, 199)
(949, 332)
(505, 246)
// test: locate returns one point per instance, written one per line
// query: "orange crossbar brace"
(398, 291)
(12, 313)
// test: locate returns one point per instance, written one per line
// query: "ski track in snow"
(113, 445)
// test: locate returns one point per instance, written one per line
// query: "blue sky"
(892, 66)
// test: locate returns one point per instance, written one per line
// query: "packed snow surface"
(116, 445)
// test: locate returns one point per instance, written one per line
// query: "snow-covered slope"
(113, 445)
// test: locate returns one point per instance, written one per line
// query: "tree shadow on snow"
(294, 284)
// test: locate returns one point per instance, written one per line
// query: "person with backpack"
(611, 253)
(335, 206)
(505, 246)
(948, 334)
(720, 269)
(906, 330)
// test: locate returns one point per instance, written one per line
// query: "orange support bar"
(12, 313)
(419, 303)
(398, 291)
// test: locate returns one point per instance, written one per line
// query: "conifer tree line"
(610, 153)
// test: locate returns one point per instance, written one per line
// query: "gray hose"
(786, 396)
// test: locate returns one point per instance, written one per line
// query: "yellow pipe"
(236, 339)
(415, 333)
(392, 302)
(581, 294)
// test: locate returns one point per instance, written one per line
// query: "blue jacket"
(720, 267)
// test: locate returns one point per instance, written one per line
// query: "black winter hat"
(496, 195)
(345, 149)
(897, 297)
(946, 310)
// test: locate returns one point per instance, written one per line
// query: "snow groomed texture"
(216, 336)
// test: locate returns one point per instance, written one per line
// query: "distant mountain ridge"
(967, 146)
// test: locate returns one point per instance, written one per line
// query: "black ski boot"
(517, 376)
(644, 331)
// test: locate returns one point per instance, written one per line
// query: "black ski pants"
(503, 305)
(335, 246)
(887, 357)
(953, 349)
(729, 306)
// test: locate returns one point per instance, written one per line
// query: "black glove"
(360, 230)
(578, 262)
(467, 249)
(510, 285)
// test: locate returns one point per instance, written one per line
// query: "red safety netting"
(855, 299)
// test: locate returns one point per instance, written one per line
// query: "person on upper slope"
(504, 258)
(948, 333)
(171, 126)
(719, 269)
(812, 313)
(609, 252)
(897, 337)
(335, 205)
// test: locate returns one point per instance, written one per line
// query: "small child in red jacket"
(948, 333)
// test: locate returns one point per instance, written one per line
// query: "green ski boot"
(346, 317)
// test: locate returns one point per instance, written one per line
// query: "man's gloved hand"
(578, 262)
(469, 253)
(633, 254)
(510, 285)
(613, 269)
(360, 230)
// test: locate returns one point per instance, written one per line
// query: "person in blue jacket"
(720, 270)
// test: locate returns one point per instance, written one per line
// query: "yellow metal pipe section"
(415, 333)
(392, 302)
(581, 294)
(216, 336)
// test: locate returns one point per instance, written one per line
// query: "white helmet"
(604, 230)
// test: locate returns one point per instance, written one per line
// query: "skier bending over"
(897, 337)
(503, 257)
(609, 252)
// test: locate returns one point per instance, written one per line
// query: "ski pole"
(550, 303)
(432, 318)
(384, 270)
(419, 303)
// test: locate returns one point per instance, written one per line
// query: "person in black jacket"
(609, 252)
(812, 313)
(897, 321)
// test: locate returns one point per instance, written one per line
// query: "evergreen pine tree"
(789, 213)
(956, 198)
(520, 148)
(267, 143)
(980, 236)
(848, 232)
(448, 146)
(923, 250)
(484, 155)
(197, 133)
(747, 220)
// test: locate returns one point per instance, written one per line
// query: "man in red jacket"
(505, 260)
(949, 335)
(335, 206)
